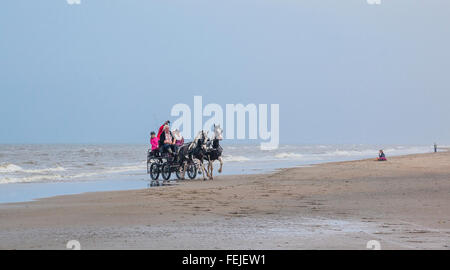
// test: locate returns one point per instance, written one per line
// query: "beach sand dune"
(403, 203)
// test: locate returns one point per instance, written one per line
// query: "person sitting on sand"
(166, 140)
(153, 141)
(381, 156)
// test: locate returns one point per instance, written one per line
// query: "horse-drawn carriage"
(188, 159)
(167, 163)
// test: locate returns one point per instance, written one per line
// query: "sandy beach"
(403, 203)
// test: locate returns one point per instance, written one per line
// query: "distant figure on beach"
(435, 147)
(381, 156)
(153, 141)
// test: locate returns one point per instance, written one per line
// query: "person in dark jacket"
(167, 140)
(161, 128)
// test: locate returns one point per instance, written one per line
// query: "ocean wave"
(9, 168)
(29, 179)
(230, 158)
(341, 153)
(106, 172)
(289, 155)
(128, 168)
(46, 170)
(16, 174)
(12, 168)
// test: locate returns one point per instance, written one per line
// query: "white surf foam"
(29, 179)
(230, 158)
(9, 168)
(11, 173)
(289, 155)
(349, 153)
(12, 168)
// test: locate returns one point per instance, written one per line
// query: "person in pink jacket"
(153, 141)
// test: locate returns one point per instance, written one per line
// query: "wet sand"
(403, 203)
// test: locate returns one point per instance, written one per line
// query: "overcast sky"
(109, 71)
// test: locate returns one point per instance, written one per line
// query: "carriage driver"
(161, 128)
(167, 140)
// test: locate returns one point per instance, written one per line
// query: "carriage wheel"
(149, 164)
(165, 172)
(192, 170)
(154, 171)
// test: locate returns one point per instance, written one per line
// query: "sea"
(30, 172)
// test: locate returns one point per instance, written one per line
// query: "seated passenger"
(381, 156)
(179, 140)
(153, 141)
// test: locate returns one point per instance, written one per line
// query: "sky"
(109, 71)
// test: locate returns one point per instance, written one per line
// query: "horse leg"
(221, 164)
(211, 168)
(202, 169)
(183, 172)
(199, 167)
(205, 173)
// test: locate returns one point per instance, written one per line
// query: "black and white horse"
(195, 150)
(214, 151)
